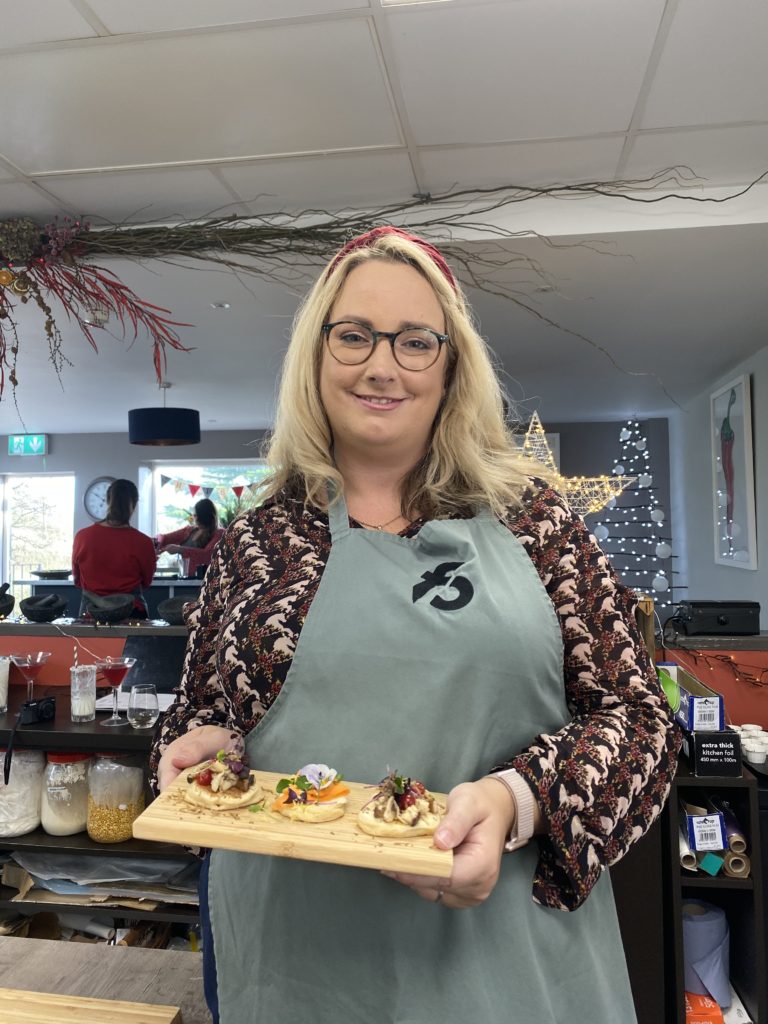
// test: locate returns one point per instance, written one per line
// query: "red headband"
(370, 236)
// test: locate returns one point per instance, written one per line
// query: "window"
(38, 526)
(176, 487)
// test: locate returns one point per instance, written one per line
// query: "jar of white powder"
(64, 809)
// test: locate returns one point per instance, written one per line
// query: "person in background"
(410, 596)
(112, 557)
(196, 541)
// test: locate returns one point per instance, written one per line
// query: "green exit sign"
(27, 444)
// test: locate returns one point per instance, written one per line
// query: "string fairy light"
(632, 534)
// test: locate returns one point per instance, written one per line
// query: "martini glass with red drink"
(114, 671)
(30, 666)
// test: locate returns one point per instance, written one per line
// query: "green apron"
(439, 655)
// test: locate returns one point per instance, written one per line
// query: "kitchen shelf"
(82, 843)
(174, 913)
(740, 898)
(715, 883)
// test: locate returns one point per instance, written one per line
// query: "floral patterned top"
(600, 781)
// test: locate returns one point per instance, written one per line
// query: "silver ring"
(440, 894)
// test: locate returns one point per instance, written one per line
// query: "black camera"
(33, 712)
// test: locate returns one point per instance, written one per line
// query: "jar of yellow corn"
(115, 797)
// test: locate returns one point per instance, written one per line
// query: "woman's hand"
(193, 747)
(476, 826)
(173, 549)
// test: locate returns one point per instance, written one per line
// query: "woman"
(111, 557)
(407, 596)
(196, 541)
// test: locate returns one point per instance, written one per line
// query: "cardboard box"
(695, 706)
(705, 830)
(701, 1010)
(714, 754)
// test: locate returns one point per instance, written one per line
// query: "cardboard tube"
(687, 856)
(737, 865)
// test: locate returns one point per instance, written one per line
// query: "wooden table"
(106, 972)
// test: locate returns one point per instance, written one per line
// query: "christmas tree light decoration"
(629, 532)
(585, 494)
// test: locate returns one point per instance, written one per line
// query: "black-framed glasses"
(414, 348)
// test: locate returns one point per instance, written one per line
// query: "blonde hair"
(472, 461)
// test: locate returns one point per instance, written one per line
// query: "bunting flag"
(222, 492)
(585, 494)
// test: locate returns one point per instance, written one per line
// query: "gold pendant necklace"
(373, 526)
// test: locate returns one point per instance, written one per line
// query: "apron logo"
(443, 576)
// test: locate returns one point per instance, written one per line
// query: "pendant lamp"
(164, 427)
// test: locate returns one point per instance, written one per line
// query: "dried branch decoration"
(56, 262)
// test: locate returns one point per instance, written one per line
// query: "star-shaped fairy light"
(585, 494)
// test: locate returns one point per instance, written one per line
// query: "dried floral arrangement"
(60, 262)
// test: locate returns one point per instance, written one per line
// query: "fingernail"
(387, 874)
(444, 837)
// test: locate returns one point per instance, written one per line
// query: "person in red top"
(196, 541)
(111, 557)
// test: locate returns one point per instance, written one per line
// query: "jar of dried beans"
(115, 797)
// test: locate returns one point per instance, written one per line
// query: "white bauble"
(644, 480)
(611, 503)
(658, 515)
(735, 530)
(640, 445)
(601, 532)
(660, 583)
(663, 550)
(618, 469)
(625, 434)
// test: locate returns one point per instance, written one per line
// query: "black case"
(718, 618)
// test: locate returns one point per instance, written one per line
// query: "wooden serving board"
(20, 1007)
(171, 819)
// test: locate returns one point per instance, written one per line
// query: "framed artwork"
(733, 483)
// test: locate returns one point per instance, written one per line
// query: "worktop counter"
(99, 971)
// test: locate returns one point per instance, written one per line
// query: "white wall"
(691, 470)
(92, 455)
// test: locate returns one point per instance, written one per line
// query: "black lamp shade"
(163, 427)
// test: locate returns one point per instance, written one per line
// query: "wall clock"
(95, 497)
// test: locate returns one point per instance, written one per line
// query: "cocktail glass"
(30, 666)
(114, 671)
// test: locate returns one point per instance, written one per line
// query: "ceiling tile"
(40, 22)
(141, 196)
(713, 68)
(524, 163)
(20, 200)
(204, 96)
(151, 16)
(527, 70)
(331, 182)
(720, 155)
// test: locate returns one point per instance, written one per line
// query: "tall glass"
(5, 665)
(30, 666)
(83, 693)
(113, 672)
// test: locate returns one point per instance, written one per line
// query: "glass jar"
(64, 806)
(115, 797)
(20, 799)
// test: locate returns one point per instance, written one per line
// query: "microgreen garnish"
(255, 808)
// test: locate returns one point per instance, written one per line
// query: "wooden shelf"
(174, 913)
(715, 883)
(740, 898)
(82, 843)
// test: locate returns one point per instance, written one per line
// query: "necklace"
(373, 526)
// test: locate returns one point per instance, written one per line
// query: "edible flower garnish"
(235, 762)
(314, 783)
